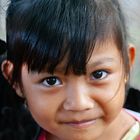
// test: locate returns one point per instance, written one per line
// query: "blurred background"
(131, 10)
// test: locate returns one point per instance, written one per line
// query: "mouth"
(81, 124)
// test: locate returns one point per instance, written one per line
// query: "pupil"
(98, 74)
(51, 81)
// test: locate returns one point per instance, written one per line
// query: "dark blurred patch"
(133, 100)
(2, 47)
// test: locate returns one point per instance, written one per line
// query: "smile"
(81, 124)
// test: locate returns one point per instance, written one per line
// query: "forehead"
(103, 53)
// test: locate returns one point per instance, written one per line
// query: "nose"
(78, 98)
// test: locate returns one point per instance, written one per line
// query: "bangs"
(69, 30)
(40, 55)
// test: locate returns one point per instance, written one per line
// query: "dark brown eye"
(52, 81)
(99, 75)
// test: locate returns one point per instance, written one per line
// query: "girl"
(69, 61)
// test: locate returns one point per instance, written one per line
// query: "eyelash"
(102, 75)
(56, 81)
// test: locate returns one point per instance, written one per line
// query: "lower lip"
(81, 125)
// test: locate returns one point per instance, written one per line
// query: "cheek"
(44, 112)
(40, 109)
(110, 99)
(42, 106)
(113, 106)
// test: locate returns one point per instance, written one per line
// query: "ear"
(7, 68)
(131, 54)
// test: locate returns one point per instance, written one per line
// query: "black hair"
(16, 122)
(41, 33)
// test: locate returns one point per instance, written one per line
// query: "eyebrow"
(101, 61)
(92, 64)
(57, 69)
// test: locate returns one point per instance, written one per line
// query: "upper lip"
(75, 121)
(79, 122)
(76, 118)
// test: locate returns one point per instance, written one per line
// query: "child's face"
(78, 107)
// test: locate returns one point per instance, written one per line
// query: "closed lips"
(81, 124)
